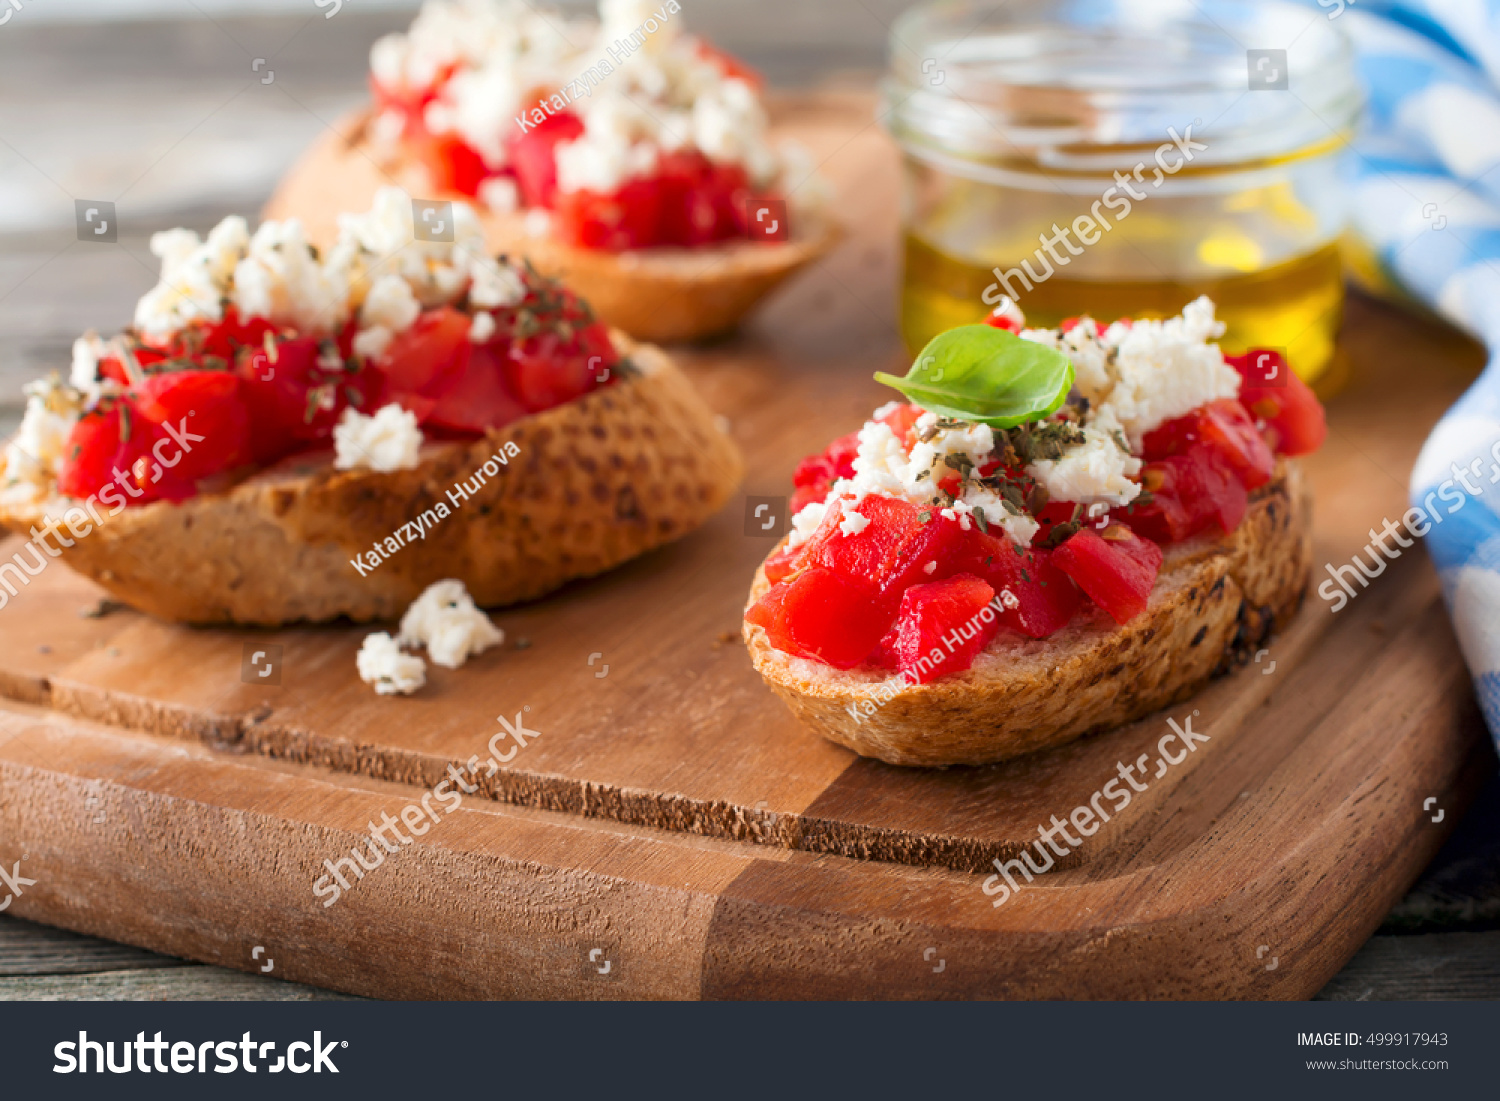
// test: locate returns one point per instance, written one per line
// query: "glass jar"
(1120, 158)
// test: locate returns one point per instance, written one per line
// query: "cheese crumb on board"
(382, 664)
(446, 621)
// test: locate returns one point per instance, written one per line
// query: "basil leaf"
(986, 375)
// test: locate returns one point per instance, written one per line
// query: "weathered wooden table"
(176, 122)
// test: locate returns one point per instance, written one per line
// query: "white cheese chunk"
(853, 523)
(281, 280)
(1164, 369)
(445, 620)
(196, 277)
(482, 328)
(390, 304)
(87, 351)
(33, 455)
(1097, 470)
(493, 285)
(390, 440)
(382, 664)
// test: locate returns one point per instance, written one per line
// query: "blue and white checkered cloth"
(1427, 201)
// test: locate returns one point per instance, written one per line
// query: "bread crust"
(656, 294)
(1215, 601)
(593, 482)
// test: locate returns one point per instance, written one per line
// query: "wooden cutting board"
(669, 831)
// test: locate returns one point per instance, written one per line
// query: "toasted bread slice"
(590, 484)
(1215, 600)
(657, 294)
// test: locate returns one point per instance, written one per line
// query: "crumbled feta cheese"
(616, 145)
(853, 522)
(882, 467)
(1097, 470)
(33, 455)
(494, 285)
(282, 280)
(196, 277)
(87, 351)
(620, 19)
(729, 126)
(1164, 369)
(930, 569)
(390, 440)
(371, 343)
(972, 443)
(482, 328)
(445, 621)
(1019, 527)
(390, 304)
(382, 664)
(382, 243)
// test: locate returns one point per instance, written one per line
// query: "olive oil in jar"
(1023, 127)
(1294, 306)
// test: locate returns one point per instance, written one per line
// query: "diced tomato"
(841, 454)
(999, 321)
(945, 620)
(951, 483)
(1227, 429)
(453, 165)
(815, 475)
(427, 358)
(701, 201)
(1276, 397)
(193, 404)
(108, 456)
(479, 399)
(1068, 324)
(294, 402)
(1116, 568)
(553, 367)
(900, 421)
(1037, 599)
(821, 614)
(533, 157)
(1190, 492)
(782, 562)
(689, 200)
(626, 219)
(111, 368)
(893, 552)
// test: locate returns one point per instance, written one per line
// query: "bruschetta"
(286, 435)
(626, 157)
(1057, 532)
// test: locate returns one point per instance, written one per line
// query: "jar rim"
(1057, 82)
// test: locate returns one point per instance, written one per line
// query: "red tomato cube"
(1117, 568)
(1274, 395)
(943, 625)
